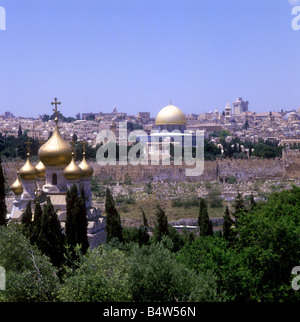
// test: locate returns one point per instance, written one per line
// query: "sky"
(138, 54)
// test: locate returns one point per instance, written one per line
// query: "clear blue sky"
(137, 54)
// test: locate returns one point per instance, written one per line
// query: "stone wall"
(291, 163)
(243, 170)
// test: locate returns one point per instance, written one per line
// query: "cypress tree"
(76, 221)
(3, 209)
(113, 226)
(37, 224)
(20, 131)
(227, 224)
(51, 239)
(161, 224)
(82, 223)
(143, 236)
(26, 221)
(27, 215)
(239, 207)
(145, 221)
(72, 204)
(252, 202)
(203, 220)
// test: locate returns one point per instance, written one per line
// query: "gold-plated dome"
(73, 171)
(40, 169)
(28, 171)
(56, 151)
(170, 115)
(87, 170)
(17, 187)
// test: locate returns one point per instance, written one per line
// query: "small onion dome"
(72, 171)
(17, 187)
(28, 171)
(40, 169)
(86, 168)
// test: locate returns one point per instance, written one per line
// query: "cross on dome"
(55, 109)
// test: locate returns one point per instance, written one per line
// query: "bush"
(156, 276)
(30, 277)
(102, 276)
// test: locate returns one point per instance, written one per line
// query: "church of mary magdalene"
(55, 173)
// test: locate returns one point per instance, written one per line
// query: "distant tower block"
(240, 106)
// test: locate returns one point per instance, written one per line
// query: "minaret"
(228, 112)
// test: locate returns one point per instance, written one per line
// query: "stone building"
(54, 174)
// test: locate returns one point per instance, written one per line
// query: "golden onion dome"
(28, 171)
(73, 171)
(40, 169)
(56, 151)
(170, 115)
(17, 186)
(87, 170)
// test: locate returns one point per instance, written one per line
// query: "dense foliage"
(251, 261)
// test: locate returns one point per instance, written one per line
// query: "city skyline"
(137, 55)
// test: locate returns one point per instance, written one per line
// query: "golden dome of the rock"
(170, 115)
(56, 151)
(87, 170)
(17, 187)
(40, 169)
(28, 171)
(73, 171)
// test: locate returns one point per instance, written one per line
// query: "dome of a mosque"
(56, 151)
(40, 169)
(170, 115)
(73, 171)
(17, 187)
(28, 171)
(87, 170)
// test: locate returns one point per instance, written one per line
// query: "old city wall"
(243, 170)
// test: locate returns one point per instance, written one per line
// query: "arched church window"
(54, 178)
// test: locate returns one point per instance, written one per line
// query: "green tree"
(51, 239)
(3, 208)
(239, 207)
(211, 253)
(113, 226)
(161, 224)
(27, 221)
(269, 247)
(156, 276)
(36, 224)
(76, 221)
(102, 276)
(227, 225)
(30, 277)
(20, 131)
(204, 223)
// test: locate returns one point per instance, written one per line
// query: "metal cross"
(55, 109)
(28, 145)
(83, 145)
